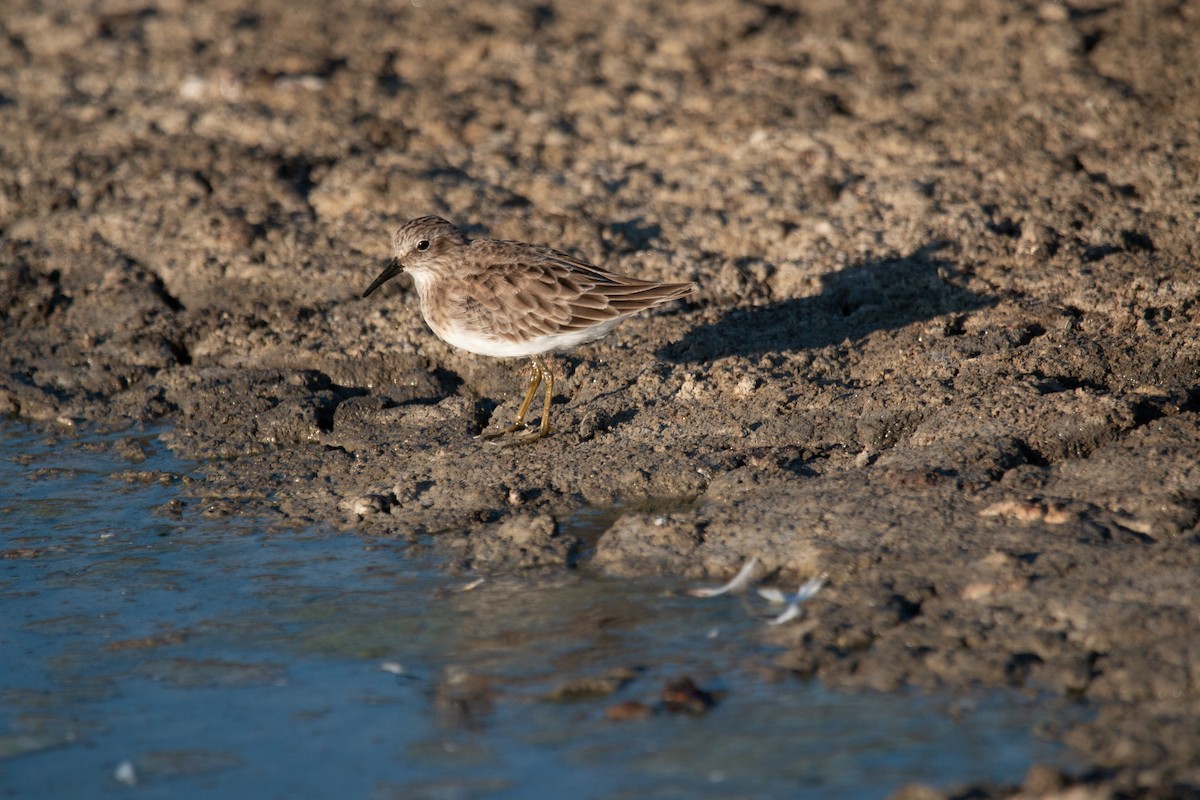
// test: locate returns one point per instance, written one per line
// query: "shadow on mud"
(882, 294)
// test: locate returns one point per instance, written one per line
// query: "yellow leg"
(535, 379)
(545, 429)
(544, 376)
(541, 375)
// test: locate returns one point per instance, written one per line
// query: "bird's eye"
(423, 244)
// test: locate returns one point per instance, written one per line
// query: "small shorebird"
(510, 299)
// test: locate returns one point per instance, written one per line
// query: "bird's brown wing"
(548, 292)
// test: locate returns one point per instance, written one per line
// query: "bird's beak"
(393, 269)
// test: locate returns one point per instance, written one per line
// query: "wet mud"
(944, 348)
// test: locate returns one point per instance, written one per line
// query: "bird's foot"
(509, 437)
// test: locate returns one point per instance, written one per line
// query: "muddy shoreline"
(944, 347)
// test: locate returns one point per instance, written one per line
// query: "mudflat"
(944, 347)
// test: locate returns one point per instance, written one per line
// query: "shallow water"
(216, 657)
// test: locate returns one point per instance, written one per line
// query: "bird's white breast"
(473, 342)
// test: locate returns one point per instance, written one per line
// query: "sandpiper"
(510, 299)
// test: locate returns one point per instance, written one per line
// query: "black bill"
(393, 269)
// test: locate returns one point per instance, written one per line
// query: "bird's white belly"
(473, 342)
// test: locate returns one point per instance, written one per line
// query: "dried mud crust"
(945, 346)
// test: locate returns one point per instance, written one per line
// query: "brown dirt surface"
(944, 348)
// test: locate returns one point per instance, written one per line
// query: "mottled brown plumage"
(509, 299)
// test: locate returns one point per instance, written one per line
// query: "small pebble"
(629, 710)
(125, 773)
(684, 696)
(367, 505)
